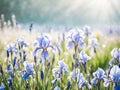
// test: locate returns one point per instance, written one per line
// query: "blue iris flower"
(28, 70)
(11, 48)
(115, 53)
(79, 78)
(114, 76)
(84, 57)
(82, 81)
(57, 88)
(76, 38)
(87, 30)
(21, 42)
(93, 43)
(28, 67)
(25, 75)
(98, 75)
(43, 42)
(59, 70)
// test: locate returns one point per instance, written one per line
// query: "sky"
(65, 12)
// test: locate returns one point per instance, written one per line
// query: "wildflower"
(43, 42)
(93, 43)
(87, 30)
(59, 70)
(98, 75)
(76, 39)
(11, 48)
(57, 88)
(84, 57)
(28, 67)
(115, 53)
(25, 75)
(54, 81)
(21, 42)
(2, 86)
(82, 82)
(114, 76)
(79, 78)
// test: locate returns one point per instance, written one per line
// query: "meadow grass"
(99, 59)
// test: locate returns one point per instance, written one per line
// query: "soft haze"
(63, 12)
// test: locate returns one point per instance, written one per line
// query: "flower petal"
(45, 54)
(70, 45)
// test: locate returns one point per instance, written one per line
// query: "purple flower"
(115, 53)
(28, 67)
(84, 57)
(57, 88)
(21, 42)
(87, 30)
(43, 42)
(114, 76)
(11, 48)
(76, 38)
(59, 70)
(82, 82)
(98, 75)
(79, 78)
(93, 43)
(25, 75)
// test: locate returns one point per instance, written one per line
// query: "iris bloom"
(76, 38)
(114, 76)
(98, 75)
(43, 42)
(11, 48)
(28, 70)
(79, 78)
(21, 42)
(84, 57)
(87, 30)
(57, 88)
(115, 53)
(93, 43)
(28, 67)
(59, 70)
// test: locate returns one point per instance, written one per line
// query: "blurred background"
(62, 12)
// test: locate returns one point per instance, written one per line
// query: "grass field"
(48, 64)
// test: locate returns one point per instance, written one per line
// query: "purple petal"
(35, 51)
(45, 54)
(70, 45)
(94, 81)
